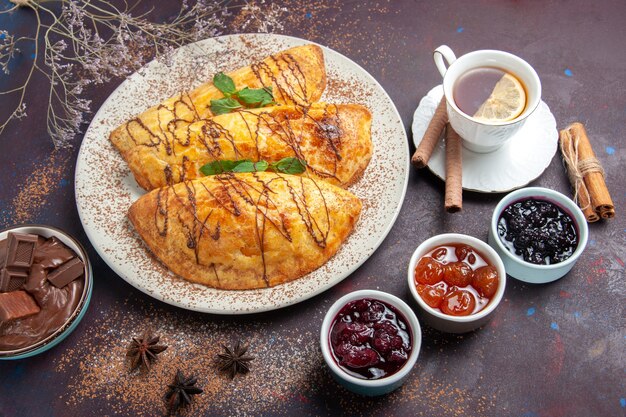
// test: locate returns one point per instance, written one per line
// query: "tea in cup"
(489, 95)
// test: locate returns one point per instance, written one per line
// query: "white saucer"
(519, 161)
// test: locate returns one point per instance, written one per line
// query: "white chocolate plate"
(519, 161)
(105, 188)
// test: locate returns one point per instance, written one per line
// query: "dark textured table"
(551, 350)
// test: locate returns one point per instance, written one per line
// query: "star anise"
(143, 350)
(180, 392)
(234, 360)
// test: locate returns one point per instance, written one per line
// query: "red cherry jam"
(370, 339)
(538, 231)
(456, 279)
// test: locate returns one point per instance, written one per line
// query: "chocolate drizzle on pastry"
(286, 124)
(255, 229)
(290, 91)
(268, 217)
(291, 85)
(170, 142)
(234, 191)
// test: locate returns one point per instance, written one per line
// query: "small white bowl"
(444, 322)
(371, 387)
(526, 271)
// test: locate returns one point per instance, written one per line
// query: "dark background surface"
(551, 350)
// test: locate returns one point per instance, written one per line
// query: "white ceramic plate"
(519, 161)
(105, 188)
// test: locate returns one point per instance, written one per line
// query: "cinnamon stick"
(581, 194)
(431, 136)
(454, 169)
(585, 173)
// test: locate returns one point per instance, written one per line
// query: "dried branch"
(79, 43)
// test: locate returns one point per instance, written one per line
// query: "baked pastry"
(297, 76)
(247, 230)
(333, 139)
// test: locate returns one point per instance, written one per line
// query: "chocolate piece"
(12, 279)
(20, 250)
(16, 305)
(66, 273)
(3, 252)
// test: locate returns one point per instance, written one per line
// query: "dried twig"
(79, 43)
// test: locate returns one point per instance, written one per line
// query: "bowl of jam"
(45, 287)
(370, 340)
(539, 234)
(457, 282)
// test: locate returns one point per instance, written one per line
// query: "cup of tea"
(489, 95)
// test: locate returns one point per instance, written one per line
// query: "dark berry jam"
(370, 339)
(456, 279)
(538, 231)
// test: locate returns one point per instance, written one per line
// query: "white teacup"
(477, 135)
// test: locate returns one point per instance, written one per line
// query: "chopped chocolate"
(12, 279)
(66, 273)
(20, 250)
(16, 305)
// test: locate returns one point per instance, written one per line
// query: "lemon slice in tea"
(506, 102)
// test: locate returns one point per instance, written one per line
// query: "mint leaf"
(219, 167)
(251, 166)
(289, 166)
(224, 105)
(256, 97)
(242, 165)
(224, 83)
(286, 166)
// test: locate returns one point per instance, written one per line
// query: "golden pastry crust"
(296, 75)
(245, 231)
(334, 141)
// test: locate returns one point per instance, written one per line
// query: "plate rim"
(282, 304)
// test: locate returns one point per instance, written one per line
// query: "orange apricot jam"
(456, 279)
